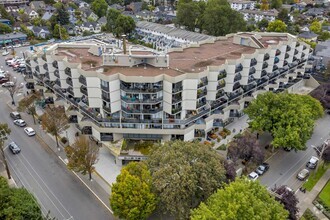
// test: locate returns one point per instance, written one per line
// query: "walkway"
(306, 199)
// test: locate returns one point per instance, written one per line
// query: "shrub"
(222, 147)
(309, 215)
(223, 134)
(218, 139)
(238, 135)
(64, 140)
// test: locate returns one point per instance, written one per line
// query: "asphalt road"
(284, 166)
(39, 170)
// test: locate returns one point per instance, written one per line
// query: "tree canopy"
(111, 19)
(283, 15)
(100, 7)
(63, 16)
(60, 32)
(123, 25)
(190, 14)
(134, 179)
(4, 29)
(276, 4)
(277, 26)
(17, 203)
(316, 27)
(241, 199)
(197, 169)
(322, 93)
(289, 200)
(288, 117)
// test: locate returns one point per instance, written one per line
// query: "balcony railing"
(202, 83)
(232, 96)
(222, 75)
(238, 68)
(82, 80)
(200, 104)
(55, 64)
(264, 65)
(219, 94)
(57, 73)
(201, 93)
(106, 138)
(107, 109)
(253, 62)
(176, 98)
(266, 57)
(83, 90)
(67, 71)
(218, 103)
(136, 100)
(176, 110)
(140, 90)
(69, 81)
(237, 77)
(176, 89)
(221, 85)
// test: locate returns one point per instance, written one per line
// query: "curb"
(101, 177)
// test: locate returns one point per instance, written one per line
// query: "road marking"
(89, 188)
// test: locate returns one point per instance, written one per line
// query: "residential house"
(11, 8)
(41, 32)
(308, 36)
(89, 14)
(93, 27)
(322, 50)
(5, 21)
(71, 29)
(135, 7)
(315, 12)
(241, 5)
(258, 15)
(36, 5)
(81, 4)
(47, 16)
(146, 15)
(102, 21)
(31, 13)
(50, 9)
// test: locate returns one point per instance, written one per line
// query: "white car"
(253, 176)
(5, 53)
(20, 122)
(8, 84)
(29, 131)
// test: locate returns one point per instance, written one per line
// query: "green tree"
(54, 120)
(111, 19)
(283, 15)
(263, 24)
(264, 6)
(28, 32)
(316, 27)
(17, 203)
(187, 14)
(196, 168)
(288, 117)
(134, 179)
(241, 199)
(219, 19)
(276, 26)
(324, 35)
(4, 131)
(4, 28)
(63, 16)
(28, 104)
(277, 4)
(73, 5)
(60, 32)
(100, 7)
(82, 155)
(124, 25)
(5, 15)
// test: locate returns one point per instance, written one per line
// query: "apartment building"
(13, 2)
(241, 5)
(138, 93)
(258, 15)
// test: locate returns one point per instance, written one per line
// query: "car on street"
(20, 122)
(14, 148)
(262, 168)
(15, 115)
(29, 131)
(312, 163)
(253, 176)
(8, 84)
(303, 174)
(3, 80)
(5, 53)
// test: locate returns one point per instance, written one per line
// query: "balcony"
(28, 62)
(82, 80)
(83, 90)
(222, 74)
(67, 71)
(236, 86)
(266, 57)
(203, 82)
(200, 104)
(57, 74)
(285, 63)
(263, 73)
(303, 55)
(176, 89)
(276, 60)
(141, 88)
(37, 69)
(176, 110)
(58, 82)
(294, 59)
(296, 52)
(288, 48)
(252, 71)
(278, 52)
(105, 87)
(262, 81)
(238, 68)
(106, 108)
(251, 79)
(176, 98)
(104, 137)
(55, 64)
(253, 62)
(35, 59)
(297, 44)
(304, 47)
(201, 93)
(45, 66)
(219, 94)
(44, 57)
(286, 56)
(47, 75)
(275, 67)
(264, 65)
(218, 103)
(70, 91)
(234, 95)
(221, 84)
(148, 100)
(106, 97)
(237, 77)
(150, 110)
(69, 81)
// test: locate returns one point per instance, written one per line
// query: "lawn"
(313, 178)
(325, 195)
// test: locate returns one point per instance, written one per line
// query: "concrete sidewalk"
(306, 199)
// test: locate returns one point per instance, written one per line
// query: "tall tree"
(63, 16)
(5, 29)
(264, 6)
(289, 200)
(316, 27)
(277, 4)
(187, 14)
(134, 179)
(263, 24)
(219, 19)
(4, 132)
(14, 88)
(100, 7)
(288, 117)
(124, 25)
(276, 26)
(82, 156)
(111, 19)
(60, 32)
(196, 168)
(241, 199)
(28, 104)
(283, 15)
(322, 93)
(17, 203)
(54, 120)
(326, 154)
(5, 15)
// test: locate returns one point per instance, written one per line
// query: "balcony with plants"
(266, 57)
(222, 74)
(221, 84)
(176, 109)
(201, 93)
(220, 93)
(202, 82)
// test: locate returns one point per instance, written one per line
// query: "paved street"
(286, 165)
(39, 170)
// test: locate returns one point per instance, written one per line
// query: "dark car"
(3, 80)
(262, 168)
(14, 148)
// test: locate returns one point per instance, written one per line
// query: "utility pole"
(3, 137)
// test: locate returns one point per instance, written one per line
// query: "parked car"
(29, 131)
(253, 176)
(8, 84)
(312, 163)
(262, 168)
(14, 148)
(5, 53)
(20, 122)
(15, 115)
(4, 80)
(303, 174)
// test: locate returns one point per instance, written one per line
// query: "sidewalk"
(306, 199)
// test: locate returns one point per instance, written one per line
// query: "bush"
(218, 139)
(222, 147)
(223, 134)
(64, 140)
(238, 135)
(309, 215)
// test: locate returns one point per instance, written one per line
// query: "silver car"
(20, 122)
(303, 174)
